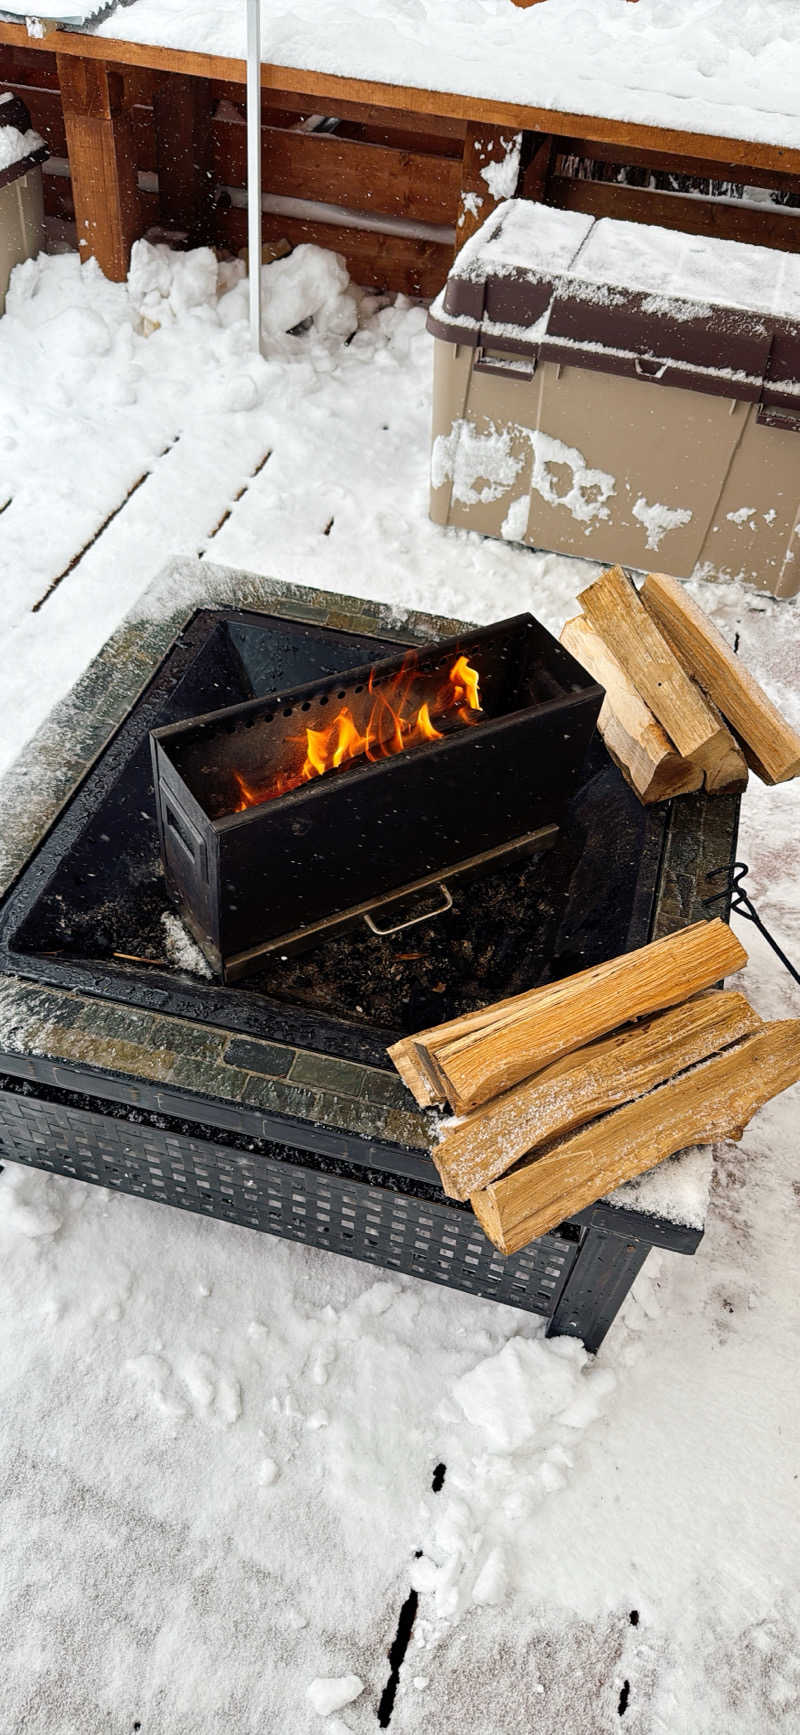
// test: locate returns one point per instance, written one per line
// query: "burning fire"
(394, 722)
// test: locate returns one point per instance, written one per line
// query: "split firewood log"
(473, 1151)
(771, 746)
(472, 1065)
(699, 733)
(713, 1101)
(634, 738)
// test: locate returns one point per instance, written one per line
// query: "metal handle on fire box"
(183, 832)
(427, 916)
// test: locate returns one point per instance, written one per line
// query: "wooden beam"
(34, 66)
(486, 149)
(366, 113)
(102, 159)
(413, 100)
(341, 171)
(714, 1101)
(182, 120)
(375, 259)
(538, 158)
(705, 168)
(758, 225)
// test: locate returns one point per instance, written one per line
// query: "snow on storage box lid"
(20, 146)
(628, 298)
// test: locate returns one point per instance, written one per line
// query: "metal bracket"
(742, 905)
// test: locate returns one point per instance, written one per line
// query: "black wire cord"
(742, 905)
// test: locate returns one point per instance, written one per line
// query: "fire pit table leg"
(606, 1267)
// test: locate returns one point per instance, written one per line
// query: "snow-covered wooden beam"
(333, 88)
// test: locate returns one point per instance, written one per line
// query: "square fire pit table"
(271, 1102)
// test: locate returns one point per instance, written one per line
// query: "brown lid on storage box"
(629, 298)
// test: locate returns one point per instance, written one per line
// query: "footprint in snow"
(197, 1388)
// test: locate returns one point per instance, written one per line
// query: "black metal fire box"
(283, 816)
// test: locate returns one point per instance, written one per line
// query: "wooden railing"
(392, 180)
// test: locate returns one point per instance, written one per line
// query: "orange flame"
(395, 721)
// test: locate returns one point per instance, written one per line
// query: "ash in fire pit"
(283, 819)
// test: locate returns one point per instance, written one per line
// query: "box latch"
(779, 403)
(772, 414)
(494, 361)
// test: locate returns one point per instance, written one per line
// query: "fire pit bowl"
(285, 818)
(271, 1103)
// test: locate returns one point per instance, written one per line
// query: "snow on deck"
(218, 1476)
(698, 65)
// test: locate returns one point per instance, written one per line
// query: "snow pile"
(181, 949)
(163, 284)
(309, 287)
(16, 145)
(678, 1189)
(333, 1694)
(522, 236)
(526, 1408)
(706, 269)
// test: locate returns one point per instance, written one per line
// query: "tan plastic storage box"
(621, 392)
(21, 205)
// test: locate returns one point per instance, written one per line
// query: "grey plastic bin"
(21, 201)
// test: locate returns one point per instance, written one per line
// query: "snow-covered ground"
(726, 67)
(218, 1449)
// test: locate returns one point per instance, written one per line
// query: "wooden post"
(102, 160)
(182, 116)
(538, 154)
(486, 149)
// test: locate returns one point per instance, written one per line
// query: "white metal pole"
(254, 166)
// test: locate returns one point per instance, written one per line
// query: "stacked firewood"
(680, 710)
(563, 1093)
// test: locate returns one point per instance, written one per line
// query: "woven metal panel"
(284, 1196)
